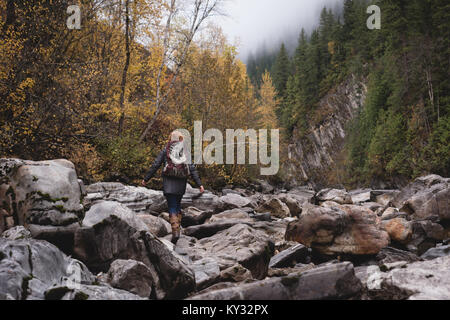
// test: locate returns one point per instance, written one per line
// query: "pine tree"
(281, 71)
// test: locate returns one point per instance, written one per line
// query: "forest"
(106, 96)
(403, 130)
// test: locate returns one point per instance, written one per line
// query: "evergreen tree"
(281, 71)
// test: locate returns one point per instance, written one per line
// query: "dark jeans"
(174, 203)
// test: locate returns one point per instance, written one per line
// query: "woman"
(175, 175)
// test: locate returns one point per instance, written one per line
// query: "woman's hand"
(143, 183)
(202, 190)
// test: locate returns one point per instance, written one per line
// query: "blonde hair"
(176, 136)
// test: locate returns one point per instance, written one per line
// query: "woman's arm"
(155, 166)
(195, 176)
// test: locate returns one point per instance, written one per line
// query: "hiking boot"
(175, 224)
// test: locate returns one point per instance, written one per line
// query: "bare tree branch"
(201, 10)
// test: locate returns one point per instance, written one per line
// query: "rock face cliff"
(313, 158)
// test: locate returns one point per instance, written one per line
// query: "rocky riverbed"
(63, 240)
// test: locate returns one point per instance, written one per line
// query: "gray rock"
(4, 215)
(303, 194)
(427, 280)
(264, 186)
(283, 272)
(426, 197)
(29, 267)
(111, 231)
(331, 282)
(426, 234)
(370, 276)
(132, 276)
(289, 257)
(40, 192)
(292, 202)
(207, 272)
(385, 197)
(139, 199)
(231, 214)
(158, 226)
(206, 201)
(236, 273)
(261, 216)
(391, 255)
(437, 252)
(210, 229)
(239, 244)
(89, 292)
(392, 213)
(193, 216)
(335, 195)
(62, 237)
(374, 206)
(233, 201)
(16, 233)
(276, 208)
(360, 196)
(275, 230)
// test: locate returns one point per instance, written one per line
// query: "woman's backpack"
(176, 165)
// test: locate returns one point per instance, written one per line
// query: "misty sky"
(257, 22)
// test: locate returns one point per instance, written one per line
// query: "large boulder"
(111, 231)
(303, 194)
(89, 292)
(289, 257)
(193, 216)
(139, 199)
(385, 197)
(204, 201)
(425, 235)
(264, 186)
(238, 244)
(336, 281)
(361, 195)
(132, 276)
(207, 272)
(382, 197)
(422, 280)
(29, 267)
(276, 207)
(392, 255)
(292, 202)
(335, 195)
(209, 229)
(339, 230)
(231, 214)
(62, 237)
(233, 201)
(158, 226)
(426, 197)
(40, 192)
